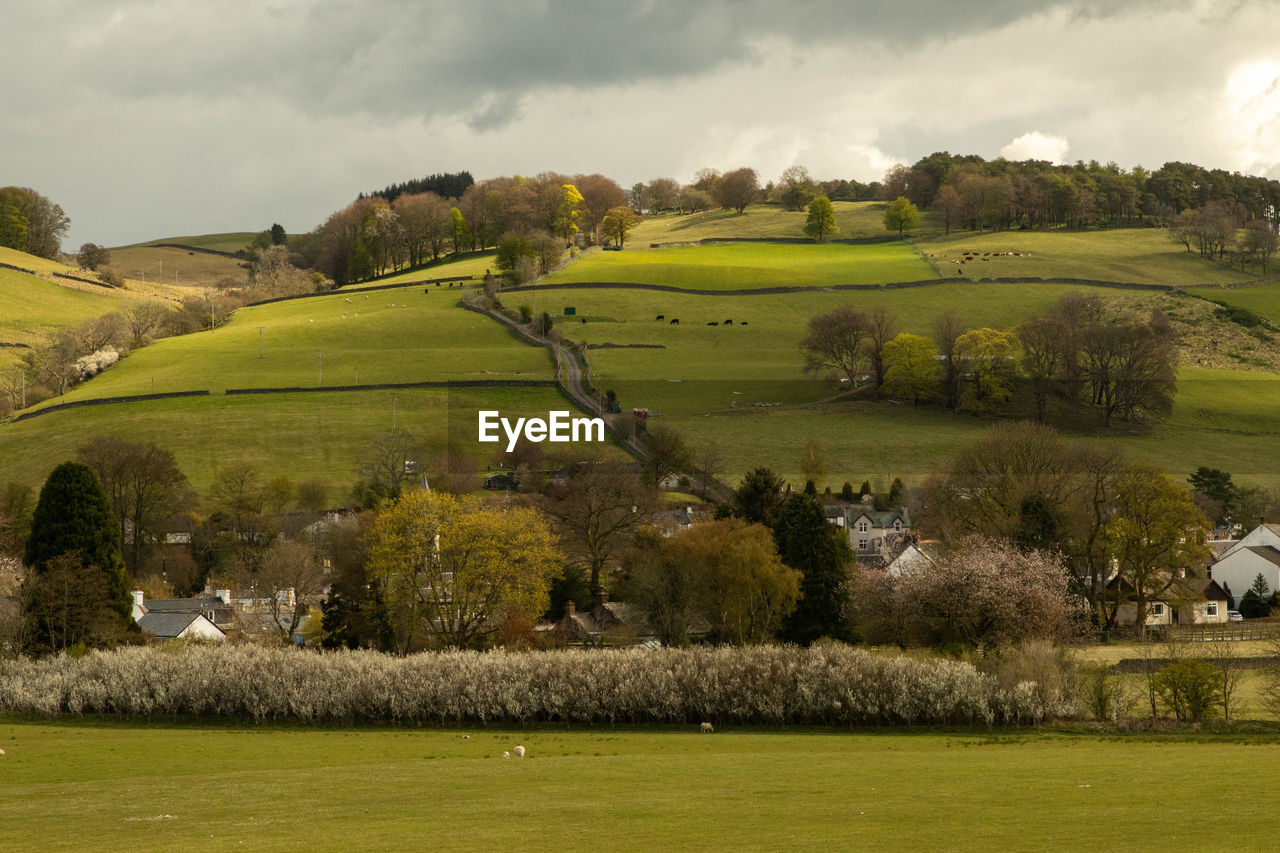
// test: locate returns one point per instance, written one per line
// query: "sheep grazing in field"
(707, 728)
(519, 751)
(466, 737)
(506, 754)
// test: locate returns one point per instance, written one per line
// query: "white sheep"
(707, 728)
(506, 754)
(519, 752)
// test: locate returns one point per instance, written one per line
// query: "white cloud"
(1037, 146)
(1250, 120)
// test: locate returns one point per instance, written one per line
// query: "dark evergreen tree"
(758, 497)
(819, 550)
(1215, 485)
(278, 235)
(74, 536)
(810, 488)
(846, 493)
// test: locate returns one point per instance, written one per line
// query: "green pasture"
(108, 786)
(232, 241)
(302, 436)
(34, 308)
(854, 219)
(32, 262)
(178, 267)
(398, 335)
(1262, 299)
(1223, 419)
(750, 265)
(470, 264)
(1144, 255)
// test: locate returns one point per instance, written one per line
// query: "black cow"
(675, 322)
(713, 324)
(661, 317)
(728, 322)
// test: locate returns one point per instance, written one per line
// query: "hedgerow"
(824, 685)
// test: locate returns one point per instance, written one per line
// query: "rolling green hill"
(716, 384)
(770, 221)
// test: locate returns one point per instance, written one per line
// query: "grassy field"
(34, 307)
(1262, 299)
(470, 264)
(751, 265)
(323, 437)
(854, 219)
(232, 241)
(109, 786)
(179, 267)
(400, 335)
(1145, 255)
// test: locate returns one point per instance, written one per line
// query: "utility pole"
(259, 342)
(393, 411)
(319, 368)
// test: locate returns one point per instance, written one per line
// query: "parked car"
(1234, 616)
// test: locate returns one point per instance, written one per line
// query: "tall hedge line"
(831, 685)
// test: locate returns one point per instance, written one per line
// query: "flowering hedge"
(831, 685)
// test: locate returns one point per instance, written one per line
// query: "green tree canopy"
(821, 223)
(911, 367)
(901, 215)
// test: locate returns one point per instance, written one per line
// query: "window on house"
(1211, 609)
(897, 525)
(862, 527)
(862, 544)
(1157, 609)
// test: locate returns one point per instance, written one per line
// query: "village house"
(183, 618)
(610, 623)
(874, 535)
(1180, 601)
(1256, 553)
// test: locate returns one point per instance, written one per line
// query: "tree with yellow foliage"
(449, 569)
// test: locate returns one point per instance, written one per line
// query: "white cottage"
(1257, 553)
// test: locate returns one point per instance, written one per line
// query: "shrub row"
(826, 685)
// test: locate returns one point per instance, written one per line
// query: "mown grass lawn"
(110, 786)
(749, 265)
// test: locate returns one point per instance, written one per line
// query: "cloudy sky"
(177, 117)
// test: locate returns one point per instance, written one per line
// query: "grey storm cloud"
(149, 118)
(398, 58)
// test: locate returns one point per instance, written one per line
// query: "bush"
(1189, 688)
(1102, 694)
(829, 684)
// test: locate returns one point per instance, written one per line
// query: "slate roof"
(1266, 552)
(166, 624)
